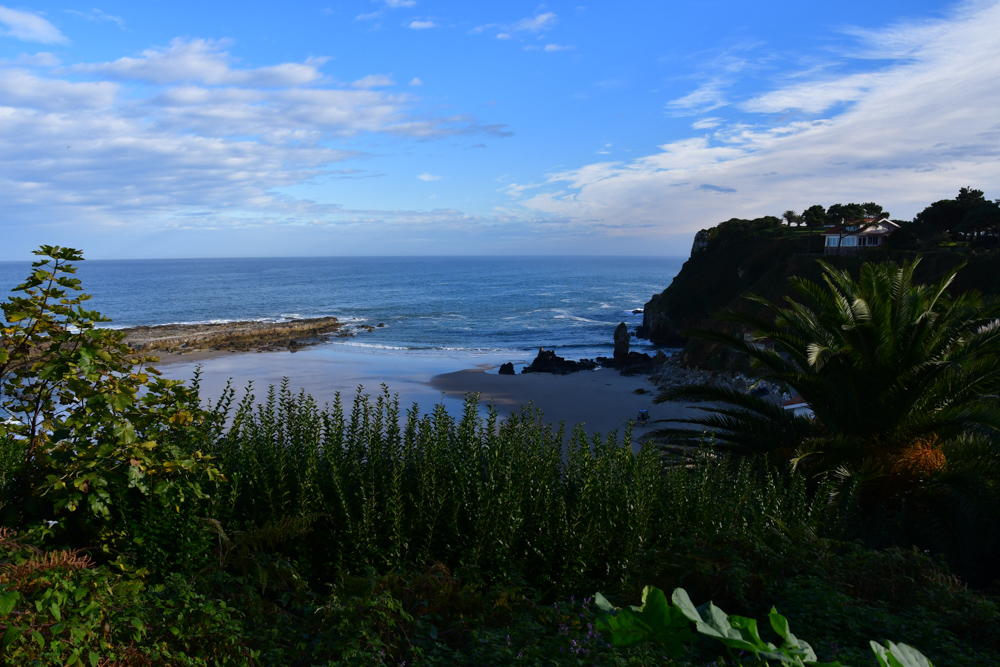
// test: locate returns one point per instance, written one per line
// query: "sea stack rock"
(507, 369)
(621, 342)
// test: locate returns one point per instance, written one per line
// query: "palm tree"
(904, 381)
(792, 218)
(888, 367)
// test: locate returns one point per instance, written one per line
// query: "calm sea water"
(445, 304)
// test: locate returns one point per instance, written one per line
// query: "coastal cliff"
(741, 257)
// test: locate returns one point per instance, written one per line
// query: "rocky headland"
(742, 257)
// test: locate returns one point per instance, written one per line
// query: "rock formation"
(548, 361)
(234, 336)
(621, 342)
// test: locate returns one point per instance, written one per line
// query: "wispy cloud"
(202, 61)
(536, 23)
(416, 81)
(707, 97)
(98, 15)
(374, 81)
(428, 177)
(186, 134)
(557, 47)
(29, 27)
(395, 4)
(706, 123)
(532, 25)
(421, 24)
(903, 133)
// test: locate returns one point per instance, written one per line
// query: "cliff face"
(725, 261)
(741, 257)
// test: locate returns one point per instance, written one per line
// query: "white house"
(852, 237)
(798, 406)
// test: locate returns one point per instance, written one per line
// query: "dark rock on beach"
(507, 369)
(633, 363)
(548, 361)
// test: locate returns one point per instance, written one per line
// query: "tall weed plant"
(709, 496)
(387, 490)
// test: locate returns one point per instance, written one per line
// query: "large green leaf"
(7, 602)
(654, 621)
(899, 655)
(791, 644)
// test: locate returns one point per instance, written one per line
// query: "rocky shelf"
(237, 336)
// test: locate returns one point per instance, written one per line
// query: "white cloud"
(557, 47)
(416, 81)
(817, 96)
(536, 23)
(20, 88)
(203, 61)
(200, 141)
(532, 24)
(395, 4)
(367, 17)
(903, 134)
(418, 24)
(706, 123)
(428, 177)
(374, 81)
(29, 27)
(707, 97)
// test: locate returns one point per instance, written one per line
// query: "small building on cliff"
(798, 407)
(857, 236)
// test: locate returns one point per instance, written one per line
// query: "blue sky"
(380, 127)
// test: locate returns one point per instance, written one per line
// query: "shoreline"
(600, 400)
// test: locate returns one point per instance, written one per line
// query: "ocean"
(429, 305)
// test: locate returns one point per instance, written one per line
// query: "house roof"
(884, 226)
(795, 401)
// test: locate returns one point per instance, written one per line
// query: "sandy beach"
(601, 400)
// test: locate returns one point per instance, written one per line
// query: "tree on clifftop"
(792, 218)
(814, 216)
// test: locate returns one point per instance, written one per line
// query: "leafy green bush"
(91, 435)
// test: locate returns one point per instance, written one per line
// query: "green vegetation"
(142, 527)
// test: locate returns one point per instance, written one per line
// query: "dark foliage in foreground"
(903, 382)
(167, 533)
